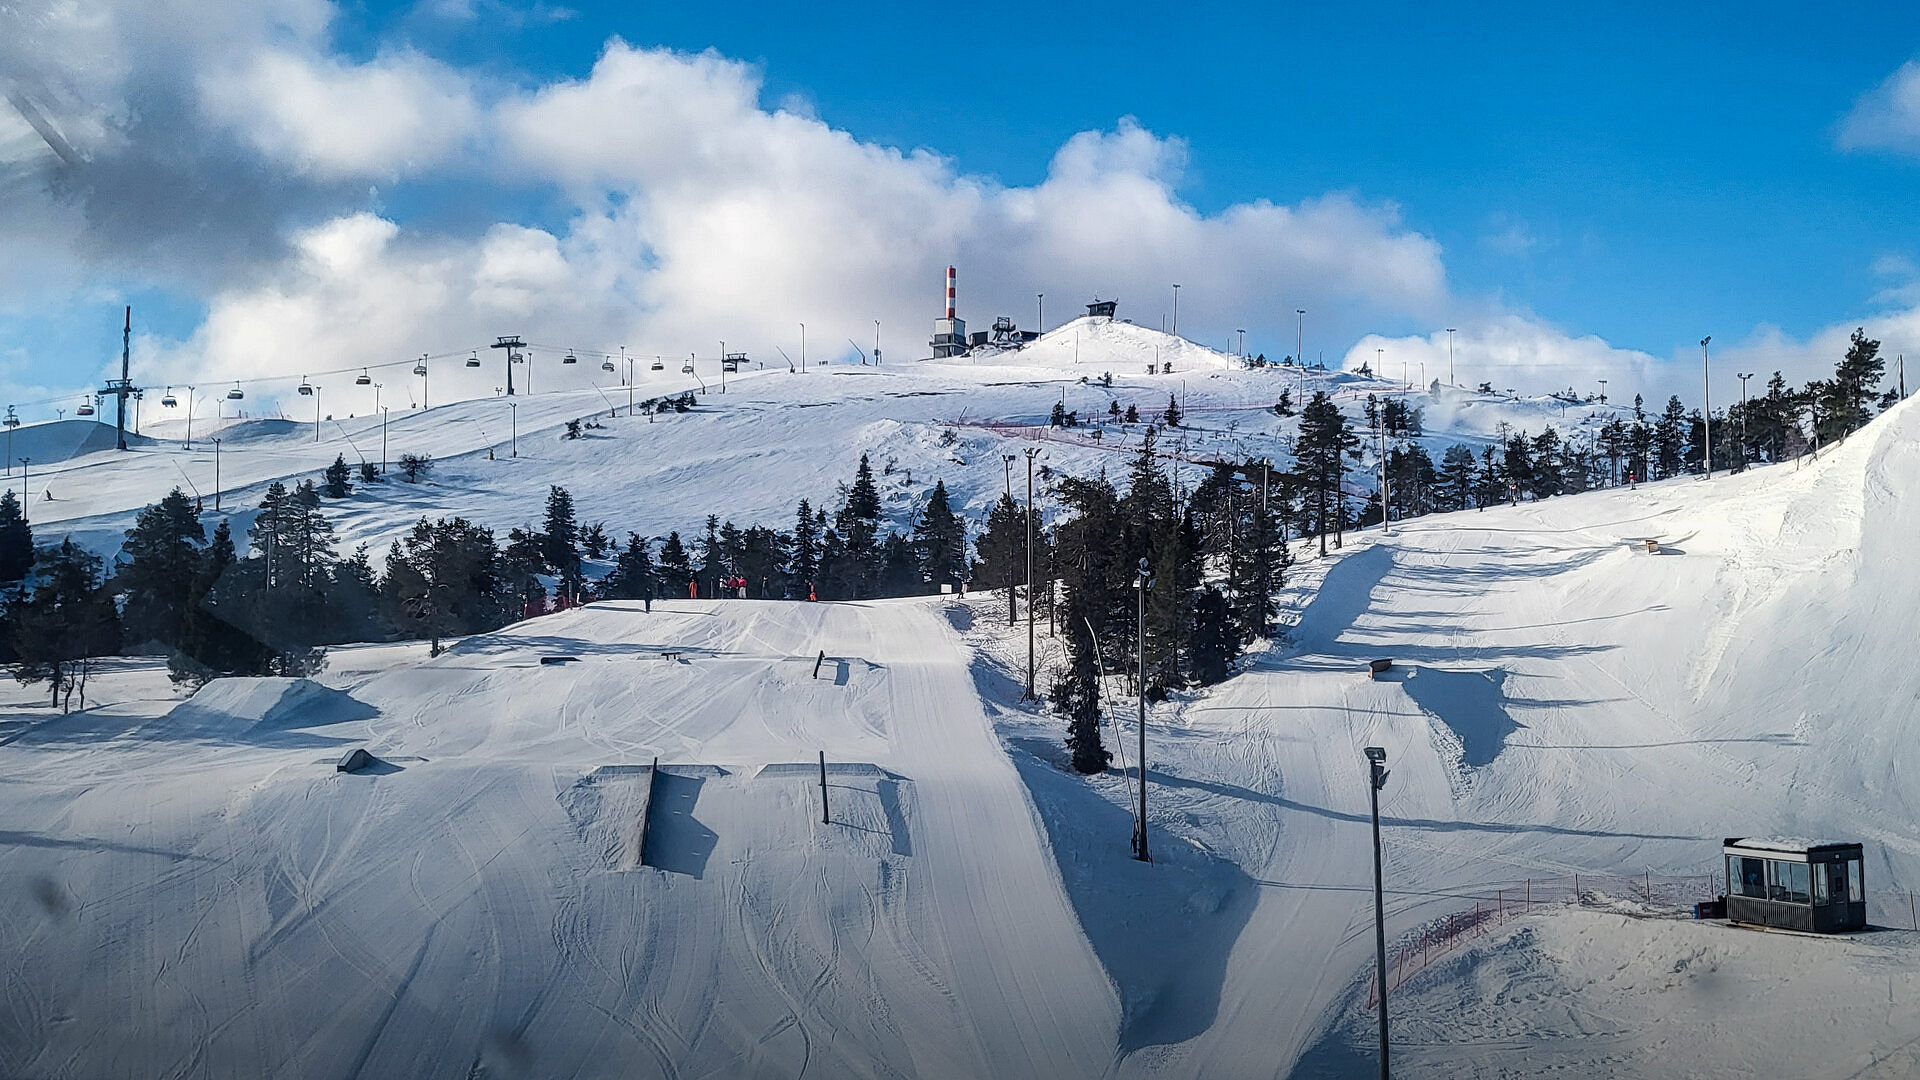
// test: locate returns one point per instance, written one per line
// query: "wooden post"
(1529, 894)
(1649, 885)
(1576, 887)
(817, 663)
(824, 817)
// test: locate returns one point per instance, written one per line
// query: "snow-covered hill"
(205, 895)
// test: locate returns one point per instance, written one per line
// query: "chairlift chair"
(363, 379)
(236, 394)
(305, 387)
(569, 358)
(169, 401)
(606, 365)
(659, 364)
(85, 409)
(687, 368)
(420, 368)
(474, 360)
(516, 358)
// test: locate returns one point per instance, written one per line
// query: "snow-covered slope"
(206, 894)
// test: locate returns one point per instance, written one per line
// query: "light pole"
(1042, 297)
(316, 414)
(1176, 309)
(216, 475)
(1243, 343)
(1299, 358)
(377, 387)
(629, 360)
(1032, 452)
(876, 343)
(1377, 779)
(1706, 414)
(513, 419)
(188, 445)
(11, 422)
(803, 348)
(26, 500)
(1450, 378)
(1144, 580)
(383, 440)
(1744, 376)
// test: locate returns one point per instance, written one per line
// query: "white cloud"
(1513, 351)
(1886, 117)
(395, 115)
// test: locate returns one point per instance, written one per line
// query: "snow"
(1591, 993)
(1795, 844)
(207, 896)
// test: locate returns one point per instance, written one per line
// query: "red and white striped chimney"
(953, 277)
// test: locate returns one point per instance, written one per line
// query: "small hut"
(1795, 884)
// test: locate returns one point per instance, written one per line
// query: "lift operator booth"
(1795, 884)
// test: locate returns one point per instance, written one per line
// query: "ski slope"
(749, 452)
(207, 897)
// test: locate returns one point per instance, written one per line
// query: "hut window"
(1788, 882)
(1748, 876)
(1820, 885)
(1853, 881)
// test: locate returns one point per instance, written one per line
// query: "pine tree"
(560, 535)
(1854, 380)
(940, 540)
(1214, 645)
(1325, 439)
(1002, 550)
(521, 564)
(1075, 693)
(632, 577)
(16, 540)
(858, 525)
(337, 478)
(353, 598)
(1456, 477)
(68, 618)
(1669, 440)
(415, 466)
(443, 580)
(711, 555)
(594, 540)
(676, 569)
(806, 545)
(213, 641)
(162, 559)
(1171, 416)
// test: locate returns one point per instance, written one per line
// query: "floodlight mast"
(1377, 779)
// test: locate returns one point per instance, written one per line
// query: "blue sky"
(1642, 175)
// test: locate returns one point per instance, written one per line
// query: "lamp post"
(423, 382)
(1706, 414)
(1032, 452)
(1144, 580)
(26, 500)
(216, 475)
(876, 343)
(1377, 779)
(316, 414)
(513, 420)
(1042, 297)
(1450, 378)
(383, 440)
(629, 360)
(11, 422)
(188, 445)
(803, 348)
(1176, 309)
(1299, 358)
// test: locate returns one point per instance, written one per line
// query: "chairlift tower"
(120, 388)
(513, 345)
